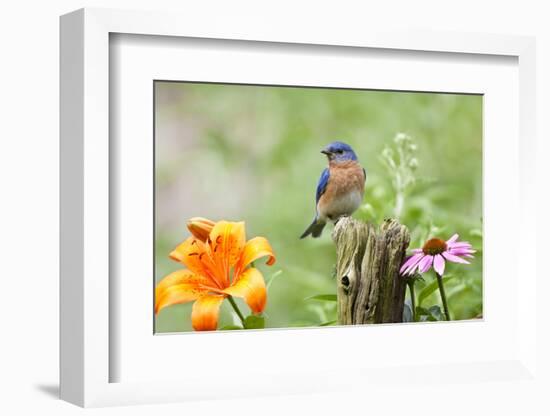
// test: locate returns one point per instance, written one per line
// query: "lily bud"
(200, 227)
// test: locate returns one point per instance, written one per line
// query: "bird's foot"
(340, 217)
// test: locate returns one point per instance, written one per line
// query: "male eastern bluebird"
(340, 189)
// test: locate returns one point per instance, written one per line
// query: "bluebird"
(340, 189)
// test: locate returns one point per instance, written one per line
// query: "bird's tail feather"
(315, 229)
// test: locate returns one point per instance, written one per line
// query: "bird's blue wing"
(322, 185)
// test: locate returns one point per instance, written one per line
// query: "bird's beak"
(325, 152)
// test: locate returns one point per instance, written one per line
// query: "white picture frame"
(87, 356)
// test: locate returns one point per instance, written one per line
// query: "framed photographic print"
(251, 152)
(296, 203)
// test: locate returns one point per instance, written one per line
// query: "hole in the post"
(345, 281)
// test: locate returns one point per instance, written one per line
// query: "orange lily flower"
(208, 279)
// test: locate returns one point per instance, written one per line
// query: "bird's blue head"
(339, 152)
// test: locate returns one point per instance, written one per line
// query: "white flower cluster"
(401, 163)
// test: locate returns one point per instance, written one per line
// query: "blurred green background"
(251, 153)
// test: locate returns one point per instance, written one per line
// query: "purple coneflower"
(434, 253)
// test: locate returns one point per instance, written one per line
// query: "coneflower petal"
(459, 245)
(452, 239)
(454, 259)
(411, 262)
(425, 264)
(439, 264)
(460, 251)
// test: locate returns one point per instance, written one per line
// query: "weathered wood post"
(370, 289)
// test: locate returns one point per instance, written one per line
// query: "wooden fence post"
(370, 289)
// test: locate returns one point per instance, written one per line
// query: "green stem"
(413, 300)
(443, 296)
(236, 308)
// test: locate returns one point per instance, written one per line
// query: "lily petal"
(254, 249)
(176, 278)
(250, 287)
(227, 240)
(197, 257)
(439, 264)
(206, 310)
(180, 286)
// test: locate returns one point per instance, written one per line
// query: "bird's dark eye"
(339, 151)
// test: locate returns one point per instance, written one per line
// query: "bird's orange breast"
(344, 191)
(344, 178)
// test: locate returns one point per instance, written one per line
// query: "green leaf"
(421, 311)
(456, 291)
(432, 287)
(432, 314)
(423, 315)
(273, 277)
(230, 328)
(254, 322)
(323, 298)
(435, 312)
(328, 323)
